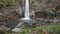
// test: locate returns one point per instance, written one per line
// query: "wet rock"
(18, 27)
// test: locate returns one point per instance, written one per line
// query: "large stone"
(16, 30)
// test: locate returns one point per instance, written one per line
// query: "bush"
(51, 29)
(52, 1)
(7, 3)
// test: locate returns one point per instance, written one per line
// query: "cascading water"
(26, 19)
(26, 15)
(27, 9)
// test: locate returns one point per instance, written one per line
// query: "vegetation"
(52, 1)
(7, 3)
(47, 6)
(51, 29)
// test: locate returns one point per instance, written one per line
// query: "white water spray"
(27, 9)
(26, 15)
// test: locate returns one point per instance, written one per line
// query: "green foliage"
(7, 3)
(40, 28)
(26, 30)
(52, 1)
(57, 29)
(50, 10)
(33, 3)
(54, 29)
(50, 28)
(6, 31)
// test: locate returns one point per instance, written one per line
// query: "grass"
(51, 29)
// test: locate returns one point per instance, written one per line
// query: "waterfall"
(26, 17)
(26, 13)
(27, 9)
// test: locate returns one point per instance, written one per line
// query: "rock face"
(38, 9)
(17, 29)
(22, 24)
(3, 23)
(17, 11)
(4, 29)
(58, 8)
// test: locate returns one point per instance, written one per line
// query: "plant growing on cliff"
(7, 3)
(52, 1)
